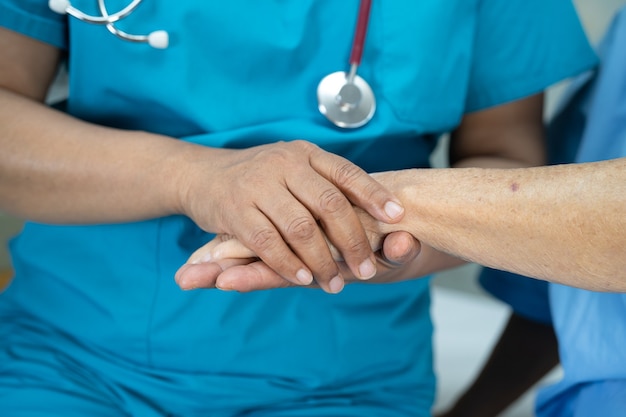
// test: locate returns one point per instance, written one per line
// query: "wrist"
(193, 171)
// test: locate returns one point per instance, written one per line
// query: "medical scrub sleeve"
(591, 326)
(494, 79)
(34, 19)
(239, 74)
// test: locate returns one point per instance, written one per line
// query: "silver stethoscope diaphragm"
(158, 39)
(345, 98)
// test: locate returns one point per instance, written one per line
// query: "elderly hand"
(281, 200)
(225, 263)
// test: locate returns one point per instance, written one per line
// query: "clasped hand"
(229, 263)
(285, 201)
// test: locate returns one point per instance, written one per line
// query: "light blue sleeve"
(34, 18)
(523, 46)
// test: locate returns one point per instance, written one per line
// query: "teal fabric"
(239, 74)
(33, 18)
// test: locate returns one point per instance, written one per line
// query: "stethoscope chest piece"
(343, 97)
(346, 99)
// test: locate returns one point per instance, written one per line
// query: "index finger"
(358, 186)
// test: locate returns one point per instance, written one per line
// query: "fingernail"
(336, 284)
(222, 287)
(367, 269)
(304, 277)
(393, 209)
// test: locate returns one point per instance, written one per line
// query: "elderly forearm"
(563, 223)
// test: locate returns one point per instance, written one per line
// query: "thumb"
(399, 248)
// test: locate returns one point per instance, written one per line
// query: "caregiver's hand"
(281, 199)
(227, 264)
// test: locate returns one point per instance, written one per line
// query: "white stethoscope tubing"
(65, 7)
(344, 98)
(158, 39)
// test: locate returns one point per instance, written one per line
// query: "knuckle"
(332, 201)
(302, 228)
(270, 152)
(374, 192)
(346, 173)
(263, 239)
(276, 154)
(289, 157)
(354, 245)
(308, 147)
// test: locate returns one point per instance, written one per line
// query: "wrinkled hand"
(282, 201)
(227, 264)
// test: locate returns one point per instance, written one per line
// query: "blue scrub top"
(244, 73)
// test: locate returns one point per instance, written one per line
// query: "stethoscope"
(158, 39)
(343, 97)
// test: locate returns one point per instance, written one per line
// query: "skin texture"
(507, 136)
(96, 174)
(62, 170)
(561, 223)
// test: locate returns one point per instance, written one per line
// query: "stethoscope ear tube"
(65, 7)
(344, 98)
(158, 39)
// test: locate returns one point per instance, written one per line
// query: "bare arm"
(564, 223)
(57, 169)
(509, 135)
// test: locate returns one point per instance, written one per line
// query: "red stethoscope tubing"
(360, 32)
(343, 97)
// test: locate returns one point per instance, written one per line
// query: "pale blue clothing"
(591, 326)
(529, 297)
(93, 323)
